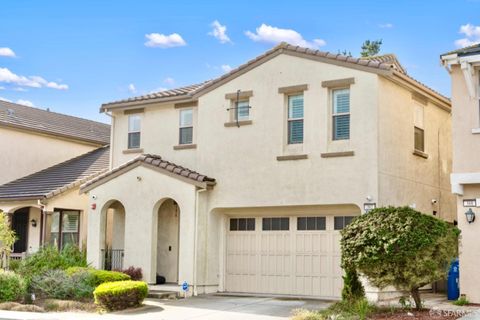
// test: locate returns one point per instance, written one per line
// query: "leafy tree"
(371, 48)
(7, 239)
(400, 247)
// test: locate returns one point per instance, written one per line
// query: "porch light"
(470, 215)
(33, 222)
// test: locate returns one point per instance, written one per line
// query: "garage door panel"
(300, 262)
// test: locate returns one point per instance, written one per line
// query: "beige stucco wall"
(405, 178)
(23, 153)
(141, 192)
(465, 117)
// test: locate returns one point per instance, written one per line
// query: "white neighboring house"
(243, 183)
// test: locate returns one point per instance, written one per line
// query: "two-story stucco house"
(44, 158)
(464, 68)
(242, 183)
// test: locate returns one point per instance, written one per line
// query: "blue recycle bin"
(453, 288)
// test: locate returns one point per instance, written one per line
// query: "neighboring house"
(44, 158)
(33, 139)
(464, 68)
(243, 183)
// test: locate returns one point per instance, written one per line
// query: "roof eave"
(134, 104)
(22, 198)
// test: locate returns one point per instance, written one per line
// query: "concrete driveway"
(212, 307)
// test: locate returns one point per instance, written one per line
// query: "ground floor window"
(62, 228)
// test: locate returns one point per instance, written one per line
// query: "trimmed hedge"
(100, 276)
(120, 295)
(12, 286)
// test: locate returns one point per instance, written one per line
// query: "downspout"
(197, 194)
(112, 130)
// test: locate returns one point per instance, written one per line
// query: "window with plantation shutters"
(295, 119)
(186, 126)
(242, 110)
(62, 228)
(341, 114)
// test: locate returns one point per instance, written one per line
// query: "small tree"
(7, 239)
(400, 247)
(371, 48)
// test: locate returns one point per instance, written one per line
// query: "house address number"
(469, 202)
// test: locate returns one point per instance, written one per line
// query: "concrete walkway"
(204, 307)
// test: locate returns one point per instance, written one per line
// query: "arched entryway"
(26, 222)
(167, 249)
(114, 236)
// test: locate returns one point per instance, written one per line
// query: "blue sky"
(71, 56)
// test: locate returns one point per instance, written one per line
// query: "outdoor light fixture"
(470, 215)
(33, 222)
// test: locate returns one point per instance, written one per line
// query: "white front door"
(167, 243)
(284, 255)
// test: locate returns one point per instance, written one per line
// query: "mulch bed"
(423, 314)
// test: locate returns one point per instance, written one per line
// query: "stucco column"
(95, 232)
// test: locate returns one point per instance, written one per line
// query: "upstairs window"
(133, 132)
(295, 119)
(341, 114)
(186, 126)
(242, 110)
(419, 131)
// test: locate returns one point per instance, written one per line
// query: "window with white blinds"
(295, 119)
(341, 114)
(63, 228)
(419, 129)
(133, 132)
(242, 110)
(186, 126)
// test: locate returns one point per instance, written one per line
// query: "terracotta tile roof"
(59, 178)
(389, 58)
(177, 92)
(48, 122)
(158, 162)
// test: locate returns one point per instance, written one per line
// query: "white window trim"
(180, 126)
(337, 114)
(295, 119)
(130, 131)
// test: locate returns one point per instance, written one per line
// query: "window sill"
(292, 157)
(337, 154)
(185, 146)
(134, 150)
(239, 123)
(421, 154)
(476, 131)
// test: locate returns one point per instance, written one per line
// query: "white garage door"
(285, 255)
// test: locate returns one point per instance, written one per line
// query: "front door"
(20, 226)
(167, 244)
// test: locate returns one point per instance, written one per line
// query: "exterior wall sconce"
(33, 222)
(470, 215)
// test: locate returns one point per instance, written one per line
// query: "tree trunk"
(416, 297)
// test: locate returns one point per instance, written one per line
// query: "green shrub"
(352, 287)
(100, 276)
(50, 258)
(12, 286)
(120, 295)
(462, 301)
(58, 284)
(400, 247)
(14, 265)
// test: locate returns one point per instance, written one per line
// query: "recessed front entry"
(20, 226)
(167, 243)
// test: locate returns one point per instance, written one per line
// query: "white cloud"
(226, 68)
(2, 88)
(25, 103)
(169, 81)
(7, 52)
(131, 88)
(4, 99)
(20, 89)
(472, 36)
(269, 34)
(220, 32)
(6, 76)
(158, 90)
(164, 41)
(386, 25)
